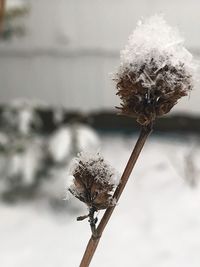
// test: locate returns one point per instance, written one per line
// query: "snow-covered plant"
(94, 181)
(62, 146)
(34, 163)
(22, 151)
(70, 139)
(156, 70)
(20, 117)
(23, 154)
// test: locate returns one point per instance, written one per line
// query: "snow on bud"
(94, 181)
(156, 70)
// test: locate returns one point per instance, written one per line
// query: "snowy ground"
(156, 224)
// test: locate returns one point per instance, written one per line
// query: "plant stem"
(2, 11)
(94, 240)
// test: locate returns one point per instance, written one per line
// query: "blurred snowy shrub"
(191, 168)
(70, 140)
(62, 146)
(21, 147)
(19, 116)
(185, 161)
(32, 163)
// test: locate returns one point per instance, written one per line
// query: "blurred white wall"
(71, 47)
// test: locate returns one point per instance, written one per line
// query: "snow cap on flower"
(156, 70)
(94, 180)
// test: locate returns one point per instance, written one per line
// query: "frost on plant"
(156, 70)
(93, 180)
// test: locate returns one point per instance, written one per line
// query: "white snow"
(59, 145)
(68, 139)
(156, 223)
(87, 139)
(96, 165)
(154, 39)
(24, 164)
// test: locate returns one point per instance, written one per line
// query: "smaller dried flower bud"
(156, 70)
(93, 181)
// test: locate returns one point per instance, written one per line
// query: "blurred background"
(57, 99)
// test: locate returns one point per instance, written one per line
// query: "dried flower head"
(156, 70)
(93, 181)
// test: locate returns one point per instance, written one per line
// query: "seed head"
(156, 70)
(93, 181)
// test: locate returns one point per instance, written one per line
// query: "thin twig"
(94, 240)
(2, 11)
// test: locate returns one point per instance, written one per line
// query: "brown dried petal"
(144, 103)
(93, 187)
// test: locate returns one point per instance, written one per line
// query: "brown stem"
(94, 240)
(2, 10)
